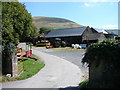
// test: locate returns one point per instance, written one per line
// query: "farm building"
(77, 35)
(112, 34)
(113, 31)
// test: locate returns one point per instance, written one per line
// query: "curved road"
(57, 73)
(73, 56)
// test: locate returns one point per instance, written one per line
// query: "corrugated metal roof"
(66, 32)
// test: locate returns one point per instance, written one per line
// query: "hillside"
(54, 22)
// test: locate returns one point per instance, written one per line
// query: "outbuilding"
(78, 35)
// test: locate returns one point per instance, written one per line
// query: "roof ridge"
(71, 28)
(64, 32)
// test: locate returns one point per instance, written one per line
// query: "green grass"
(84, 84)
(31, 67)
(65, 48)
(6, 79)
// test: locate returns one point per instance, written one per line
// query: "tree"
(17, 23)
(16, 27)
(44, 30)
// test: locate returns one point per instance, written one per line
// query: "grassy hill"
(55, 23)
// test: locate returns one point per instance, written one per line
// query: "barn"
(78, 35)
(112, 34)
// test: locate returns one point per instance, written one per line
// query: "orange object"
(28, 53)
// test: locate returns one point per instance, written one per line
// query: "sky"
(102, 15)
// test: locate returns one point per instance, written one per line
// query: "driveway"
(57, 73)
(73, 56)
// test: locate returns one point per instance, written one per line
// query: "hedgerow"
(108, 50)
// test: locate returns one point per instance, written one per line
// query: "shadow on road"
(70, 88)
(66, 88)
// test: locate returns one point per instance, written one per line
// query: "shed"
(76, 35)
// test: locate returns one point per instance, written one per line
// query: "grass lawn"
(29, 68)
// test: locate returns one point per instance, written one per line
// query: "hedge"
(108, 50)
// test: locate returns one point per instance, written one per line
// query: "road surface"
(57, 73)
(73, 56)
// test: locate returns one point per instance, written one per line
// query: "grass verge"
(65, 48)
(84, 84)
(30, 68)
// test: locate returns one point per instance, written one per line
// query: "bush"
(103, 60)
(108, 50)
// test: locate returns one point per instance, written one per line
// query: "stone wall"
(103, 74)
(9, 64)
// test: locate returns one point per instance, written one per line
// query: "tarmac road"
(57, 73)
(73, 56)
